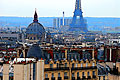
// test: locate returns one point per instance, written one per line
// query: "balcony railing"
(84, 68)
(94, 76)
(78, 78)
(67, 68)
(83, 77)
(65, 77)
(73, 78)
(53, 78)
(59, 78)
(46, 78)
(89, 77)
(58, 68)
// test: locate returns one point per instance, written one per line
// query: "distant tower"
(78, 22)
(63, 19)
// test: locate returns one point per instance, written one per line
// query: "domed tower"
(35, 31)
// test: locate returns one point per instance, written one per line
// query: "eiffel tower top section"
(78, 22)
(78, 4)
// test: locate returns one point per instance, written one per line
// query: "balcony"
(58, 68)
(89, 77)
(53, 78)
(46, 78)
(59, 78)
(78, 78)
(84, 68)
(65, 77)
(94, 76)
(73, 78)
(83, 77)
(67, 68)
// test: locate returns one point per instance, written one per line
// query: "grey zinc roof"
(35, 51)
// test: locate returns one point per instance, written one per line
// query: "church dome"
(35, 51)
(36, 28)
(35, 31)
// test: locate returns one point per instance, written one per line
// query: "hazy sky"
(54, 8)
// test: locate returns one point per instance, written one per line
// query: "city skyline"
(54, 8)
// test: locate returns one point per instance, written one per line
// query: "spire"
(78, 4)
(35, 16)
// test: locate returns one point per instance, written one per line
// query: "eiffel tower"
(78, 24)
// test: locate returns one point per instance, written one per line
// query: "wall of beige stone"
(69, 72)
(113, 77)
(40, 70)
(5, 71)
(19, 72)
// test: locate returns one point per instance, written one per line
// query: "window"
(93, 73)
(71, 56)
(48, 56)
(34, 38)
(54, 56)
(88, 74)
(65, 64)
(51, 65)
(65, 74)
(72, 74)
(72, 65)
(76, 64)
(81, 64)
(59, 56)
(86, 64)
(68, 56)
(75, 56)
(78, 56)
(57, 65)
(52, 75)
(93, 64)
(62, 55)
(46, 75)
(77, 74)
(83, 74)
(58, 74)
